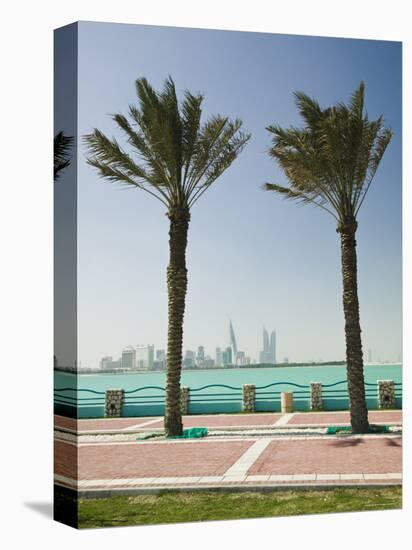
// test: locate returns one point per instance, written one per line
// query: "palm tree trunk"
(176, 287)
(354, 354)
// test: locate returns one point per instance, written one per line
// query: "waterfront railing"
(221, 398)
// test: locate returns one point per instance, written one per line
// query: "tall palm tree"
(330, 163)
(175, 158)
(61, 147)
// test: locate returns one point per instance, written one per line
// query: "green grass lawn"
(175, 507)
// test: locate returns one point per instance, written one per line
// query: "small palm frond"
(357, 101)
(114, 164)
(309, 109)
(61, 148)
(219, 143)
(286, 191)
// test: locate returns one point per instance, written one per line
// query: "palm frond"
(333, 159)
(169, 153)
(219, 143)
(191, 113)
(115, 164)
(298, 195)
(308, 108)
(61, 147)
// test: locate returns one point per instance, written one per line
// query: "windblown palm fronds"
(331, 162)
(170, 154)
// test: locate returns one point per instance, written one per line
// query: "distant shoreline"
(86, 371)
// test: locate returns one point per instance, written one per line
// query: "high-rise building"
(241, 358)
(268, 354)
(272, 347)
(219, 358)
(129, 358)
(160, 355)
(265, 340)
(144, 357)
(189, 360)
(159, 362)
(200, 359)
(105, 360)
(107, 363)
(227, 356)
(159, 365)
(233, 343)
(208, 363)
(151, 356)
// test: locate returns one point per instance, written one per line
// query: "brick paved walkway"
(223, 421)
(244, 460)
(328, 456)
(337, 418)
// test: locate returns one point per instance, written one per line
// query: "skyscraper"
(200, 356)
(219, 359)
(160, 355)
(144, 357)
(272, 347)
(151, 355)
(265, 340)
(227, 356)
(268, 354)
(129, 358)
(233, 343)
(189, 360)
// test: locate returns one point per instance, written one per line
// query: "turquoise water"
(149, 401)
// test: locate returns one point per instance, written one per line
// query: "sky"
(252, 257)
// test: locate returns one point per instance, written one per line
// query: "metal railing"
(211, 398)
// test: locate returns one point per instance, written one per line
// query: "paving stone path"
(109, 466)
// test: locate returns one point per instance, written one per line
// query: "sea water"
(209, 392)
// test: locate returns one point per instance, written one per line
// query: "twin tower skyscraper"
(267, 355)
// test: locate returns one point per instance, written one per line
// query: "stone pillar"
(184, 400)
(113, 403)
(248, 398)
(386, 394)
(286, 402)
(315, 396)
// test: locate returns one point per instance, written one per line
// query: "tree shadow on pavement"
(347, 442)
(393, 443)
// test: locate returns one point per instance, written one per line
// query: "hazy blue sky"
(251, 256)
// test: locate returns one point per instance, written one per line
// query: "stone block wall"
(386, 394)
(113, 403)
(316, 396)
(184, 400)
(286, 402)
(248, 398)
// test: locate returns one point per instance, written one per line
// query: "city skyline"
(249, 254)
(198, 356)
(110, 364)
(191, 357)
